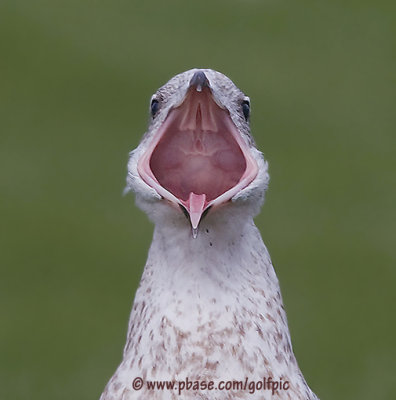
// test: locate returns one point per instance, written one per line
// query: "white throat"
(210, 308)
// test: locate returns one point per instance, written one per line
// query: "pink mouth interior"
(198, 157)
(197, 153)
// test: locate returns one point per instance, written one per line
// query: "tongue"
(195, 207)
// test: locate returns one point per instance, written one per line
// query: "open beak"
(198, 158)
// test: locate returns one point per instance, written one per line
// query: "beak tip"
(196, 207)
(194, 219)
(199, 81)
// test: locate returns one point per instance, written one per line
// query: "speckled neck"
(215, 303)
(209, 308)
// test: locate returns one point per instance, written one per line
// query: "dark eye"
(246, 109)
(154, 107)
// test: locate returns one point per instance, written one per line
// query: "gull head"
(198, 158)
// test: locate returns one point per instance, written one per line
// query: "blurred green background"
(75, 82)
